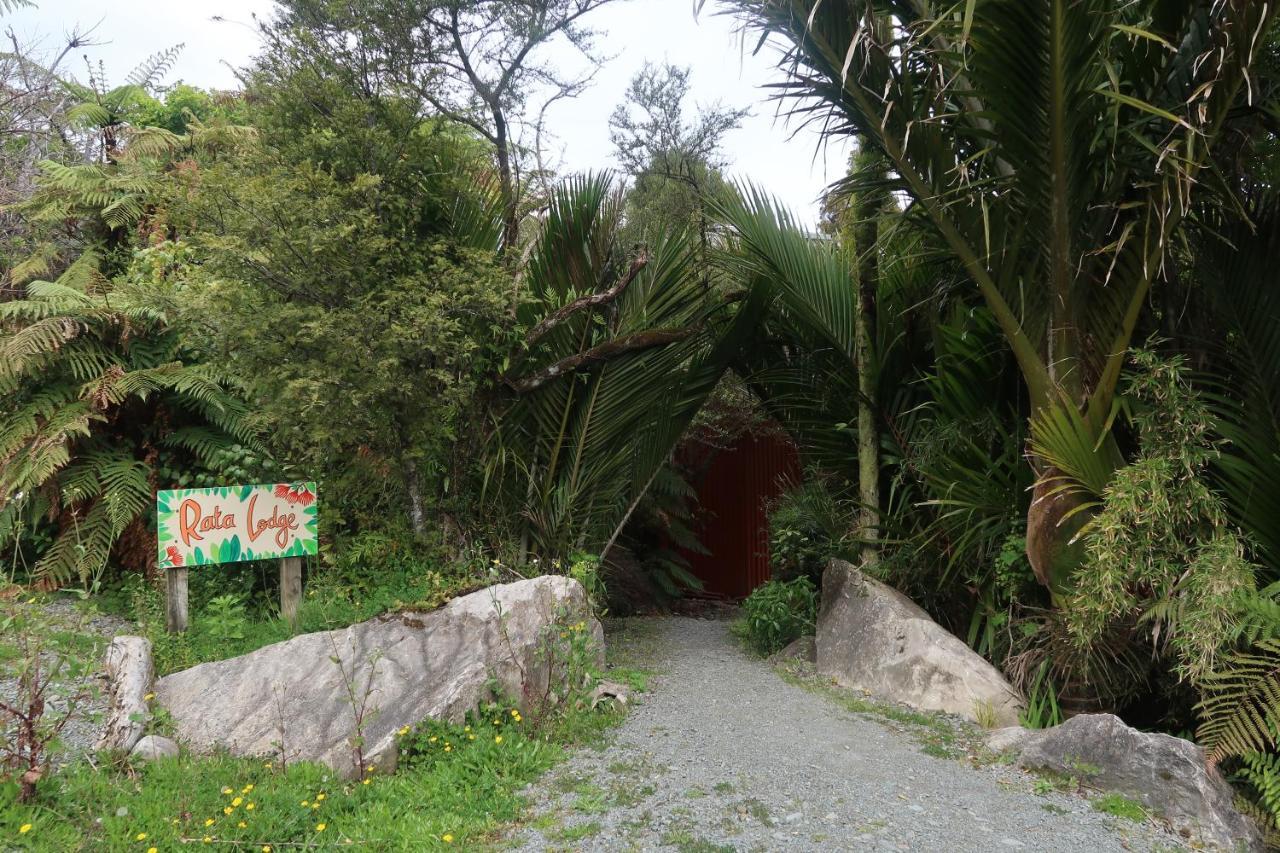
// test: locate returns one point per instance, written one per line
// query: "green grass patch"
(686, 842)
(576, 832)
(438, 798)
(1120, 806)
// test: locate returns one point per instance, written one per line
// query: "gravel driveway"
(722, 753)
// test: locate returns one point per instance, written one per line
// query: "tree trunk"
(506, 179)
(413, 486)
(867, 208)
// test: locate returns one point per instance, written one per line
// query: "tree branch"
(603, 352)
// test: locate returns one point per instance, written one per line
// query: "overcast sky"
(792, 165)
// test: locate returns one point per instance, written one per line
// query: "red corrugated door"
(733, 496)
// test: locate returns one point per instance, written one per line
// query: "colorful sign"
(227, 524)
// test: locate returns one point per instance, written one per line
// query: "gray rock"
(130, 671)
(1166, 774)
(801, 648)
(1009, 739)
(291, 698)
(151, 747)
(873, 638)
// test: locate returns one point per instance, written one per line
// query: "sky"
(792, 163)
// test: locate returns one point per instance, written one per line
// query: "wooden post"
(290, 589)
(175, 613)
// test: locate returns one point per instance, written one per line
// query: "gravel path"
(95, 630)
(724, 754)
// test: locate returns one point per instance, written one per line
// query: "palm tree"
(1058, 149)
(619, 354)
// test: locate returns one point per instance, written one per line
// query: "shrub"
(779, 612)
(805, 527)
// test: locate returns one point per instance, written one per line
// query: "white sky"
(792, 167)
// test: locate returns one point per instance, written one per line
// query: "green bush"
(779, 612)
(805, 532)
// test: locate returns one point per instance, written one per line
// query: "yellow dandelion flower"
(466, 728)
(248, 807)
(209, 822)
(432, 739)
(226, 790)
(448, 748)
(208, 839)
(24, 829)
(404, 730)
(306, 803)
(141, 836)
(267, 765)
(367, 781)
(227, 810)
(497, 739)
(242, 824)
(471, 737)
(247, 788)
(266, 848)
(148, 697)
(447, 838)
(514, 712)
(315, 805)
(320, 796)
(320, 827)
(237, 801)
(152, 850)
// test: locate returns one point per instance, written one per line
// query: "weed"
(755, 809)
(1120, 806)
(723, 788)
(576, 832)
(687, 842)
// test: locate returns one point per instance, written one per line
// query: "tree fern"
(1241, 704)
(97, 394)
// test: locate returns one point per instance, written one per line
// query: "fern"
(96, 394)
(1241, 703)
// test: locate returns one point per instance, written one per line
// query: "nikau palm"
(1057, 148)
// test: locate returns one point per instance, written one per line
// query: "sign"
(227, 524)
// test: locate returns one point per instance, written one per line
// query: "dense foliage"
(1030, 359)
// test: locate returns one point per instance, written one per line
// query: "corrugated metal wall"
(733, 495)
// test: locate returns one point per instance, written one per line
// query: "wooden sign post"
(230, 524)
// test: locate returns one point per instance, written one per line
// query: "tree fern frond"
(1241, 705)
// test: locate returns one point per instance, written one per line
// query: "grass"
(687, 842)
(1119, 805)
(576, 832)
(462, 798)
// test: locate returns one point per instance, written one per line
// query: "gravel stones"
(723, 754)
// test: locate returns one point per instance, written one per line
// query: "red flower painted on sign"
(175, 556)
(282, 491)
(299, 494)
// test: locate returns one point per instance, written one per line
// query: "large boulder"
(875, 639)
(1168, 775)
(129, 673)
(299, 699)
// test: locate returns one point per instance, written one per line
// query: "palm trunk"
(866, 210)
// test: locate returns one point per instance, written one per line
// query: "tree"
(675, 162)
(478, 63)
(1057, 149)
(619, 354)
(348, 274)
(858, 218)
(102, 406)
